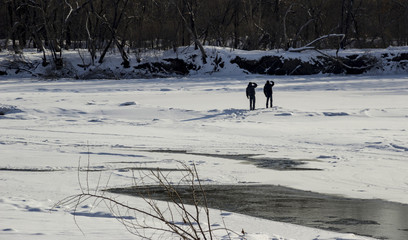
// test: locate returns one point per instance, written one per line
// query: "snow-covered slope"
(220, 61)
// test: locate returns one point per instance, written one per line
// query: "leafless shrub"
(19, 63)
(155, 219)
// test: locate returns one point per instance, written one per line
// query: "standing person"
(250, 93)
(268, 92)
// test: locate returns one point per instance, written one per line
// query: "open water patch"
(90, 169)
(151, 169)
(366, 217)
(8, 169)
(284, 164)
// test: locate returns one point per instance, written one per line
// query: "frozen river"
(331, 135)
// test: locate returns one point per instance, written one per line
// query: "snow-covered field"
(353, 128)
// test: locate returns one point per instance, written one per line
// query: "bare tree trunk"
(113, 28)
(14, 23)
(191, 28)
(40, 46)
(346, 14)
(91, 40)
(285, 35)
(105, 51)
(91, 28)
(310, 46)
(300, 31)
(125, 58)
(236, 23)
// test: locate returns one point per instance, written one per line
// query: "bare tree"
(54, 25)
(312, 44)
(348, 20)
(190, 24)
(285, 34)
(119, 8)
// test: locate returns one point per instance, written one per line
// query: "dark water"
(282, 164)
(374, 218)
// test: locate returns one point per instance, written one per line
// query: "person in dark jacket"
(268, 92)
(250, 93)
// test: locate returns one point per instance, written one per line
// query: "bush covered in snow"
(187, 61)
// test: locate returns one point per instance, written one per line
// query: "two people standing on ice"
(250, 93)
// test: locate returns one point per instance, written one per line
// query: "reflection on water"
(374, 218)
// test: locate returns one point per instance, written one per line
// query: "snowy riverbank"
(186, 61)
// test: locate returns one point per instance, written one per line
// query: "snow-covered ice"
(354, 128)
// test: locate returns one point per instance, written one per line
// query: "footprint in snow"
(335, 114)
(8, 230)
(127, 104)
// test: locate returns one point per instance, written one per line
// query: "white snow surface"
(354, 128)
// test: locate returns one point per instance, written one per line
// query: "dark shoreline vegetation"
(168, 24)
(268, 63)
(350, 64)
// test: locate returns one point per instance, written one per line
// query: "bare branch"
(169, 215)
(310, 46)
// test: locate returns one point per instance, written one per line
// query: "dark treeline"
(99, 25)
